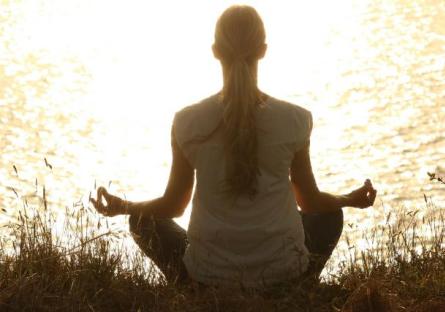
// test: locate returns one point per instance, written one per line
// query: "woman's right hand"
(362, 197)
(114, 205)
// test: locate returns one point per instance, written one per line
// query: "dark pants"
(164, 242)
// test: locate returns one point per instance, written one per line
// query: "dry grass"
(87, 269)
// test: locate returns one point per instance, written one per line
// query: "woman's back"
(242, 146)
(253, 240)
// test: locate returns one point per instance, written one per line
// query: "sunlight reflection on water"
(92, 86)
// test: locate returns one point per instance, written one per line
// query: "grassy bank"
(83, 270)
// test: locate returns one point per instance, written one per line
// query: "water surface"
(92, 86)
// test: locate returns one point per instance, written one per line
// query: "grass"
(88, 268)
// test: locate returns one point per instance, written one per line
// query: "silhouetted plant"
(87, 269)
(434, 177)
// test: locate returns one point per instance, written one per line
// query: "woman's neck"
(253, 69)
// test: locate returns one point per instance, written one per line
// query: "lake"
(89, 88)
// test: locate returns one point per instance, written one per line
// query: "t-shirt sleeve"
(304, 124)
(178, 129)
(182, 129)
(309, 124)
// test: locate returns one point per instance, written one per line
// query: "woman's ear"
(215, 52)
(262, 51)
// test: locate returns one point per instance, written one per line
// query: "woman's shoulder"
(198, 118)
(284, 111)
(287, 106)
(202, 106)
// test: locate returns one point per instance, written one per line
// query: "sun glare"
(92, 86)
(155, 56)
(146, 59)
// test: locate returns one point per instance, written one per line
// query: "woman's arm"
(172, 204)
(312, 200)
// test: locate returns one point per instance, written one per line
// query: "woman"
(250, 153)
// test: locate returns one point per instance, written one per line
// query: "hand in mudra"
(113, 205)
(364, 196)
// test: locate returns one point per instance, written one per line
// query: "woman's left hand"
(114, 205)
(363, 197)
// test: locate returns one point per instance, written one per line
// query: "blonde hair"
(239, 42)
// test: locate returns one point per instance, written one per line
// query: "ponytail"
(238, 37)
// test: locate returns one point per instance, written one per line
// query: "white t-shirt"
(245, 241)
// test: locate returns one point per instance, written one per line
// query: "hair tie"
(240, 58)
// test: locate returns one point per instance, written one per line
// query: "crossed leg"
(164, 242)
(322, 232)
